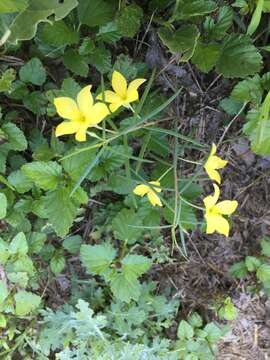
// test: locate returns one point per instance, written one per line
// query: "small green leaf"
(128, 20)
(75, 62)
(216, 30)
(97, 258)
(57, 263)
(58, 34)
(185, 330)
(7, 79)
(15, 136)
(21, 182)
(205, 56)
(46, 175)
(214, 333)
(19, 278)
(195, 320)
(96, 12)
(125, 288)
(228, 311)
(263, 273)
(252, 263)
(265, 244)
(100, 58)
(72, 244)
(18, 245)
(238, 270)
(248, 90)
(121, 228)
(3, 206)
(26, 302)
(3, 291)
(33, 72)
(10, 6)
(192, 8)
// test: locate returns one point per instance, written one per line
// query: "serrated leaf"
(24, 26)
(185, 330)
(217, 29)
(46, 175)
(121, 228)
(238, 57)
(10, 6)
(72, 244)
(75, 62)
(124, 288)
(193, 8)
(3, 291)
(21, 182)
(108, 33)
(135, 265)
(36, 102)
(3, 206)
(97, 258)
(263, 273)
(183, 40)
(15, 136)
(100, 58)
(58, 34)
(33, 72)
(19, 278)
(7, 79)
(252, 263)
(248, 90)
(128, 20)
(26, 302)
(205, 56)
(57, 263)
(96, 12)
(18, 245)
(60, 209)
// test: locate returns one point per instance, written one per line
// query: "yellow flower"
(81, 114)
(143, 189)
(214, 211)
(214, 162)
(123, 94)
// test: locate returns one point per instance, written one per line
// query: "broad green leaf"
(18, 245)
(97, 258)
(61, 210)
(206, 56)
(19, 278)
(128, 20)
(21, 182)
(24, 26)
(214, 333)
(100, 58)
(76, 165)
(57, 263)
(72, 244)
(75, 62)
(195, 320)
(10, 6)
(7, 79)
(58, 34)
(36, 241)
(263, 273)
(183, 40)
(108, 33)
(26, 302)
(135, 265)
(216, 30)
(265, 245)
(88, 46)
(252, 263)
(15, 136)
(238, 57)
(122, 229)
(248, 90)
(46, 175)
(125, 288)
(3, 291)
(185, 330)
(96, 12)
(33, 72)
(3, 206)
(192, 8)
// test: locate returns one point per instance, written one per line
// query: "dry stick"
(230, 124)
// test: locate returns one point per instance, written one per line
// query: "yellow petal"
(98, 112)
(132, 95)
(217, 163)
(135, 84)
(67, 108)
(81, 134)
(153, 198)
(119, 84)
(213, 149)
(67, 128)
(227, 207)
(114, 107)
(217, 223)
(211, 200)
(156, 183)
(85, 100)
(210, 224)
(141, 189)
(109, 96)
(213, 174)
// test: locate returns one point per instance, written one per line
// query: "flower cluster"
(85, 113)
(215, 210)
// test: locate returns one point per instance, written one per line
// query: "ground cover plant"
(133, 135)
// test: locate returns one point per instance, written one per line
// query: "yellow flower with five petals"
(150, 191)
(213, 163)
(214, 213)
(80, 115)
(123, 93)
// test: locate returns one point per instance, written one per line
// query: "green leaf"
(3, 206)
(7, 79)
(263, 273)
(256, 17)
(75, 62)
(33, 72)
(19, 278)
(46, 175)
(187, 217)
(58, 34)
(15, 136)
(97, 258)
(87, 47)
(18, 245)
(265, 244)
(238, 270)
(195, 320)
(96, 12)
(252, 263)
(183, 40)
(238, 57)
(76, 165)
(192, 8)
(10, 6)
(100, 58)
(205, 56)
(217, 30)
(214, 333)
(61, 210)
(36, 102)
(248, 90)
(24, 26)
(72, 244)
(128, 20)
(228, 311)
(108, 33)
(121, 228)
(135, 265)
(21, 182)
(57, 263)
(185, 330)
(125, 288)
(3, 291)
(36, 241)
(26, 302)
